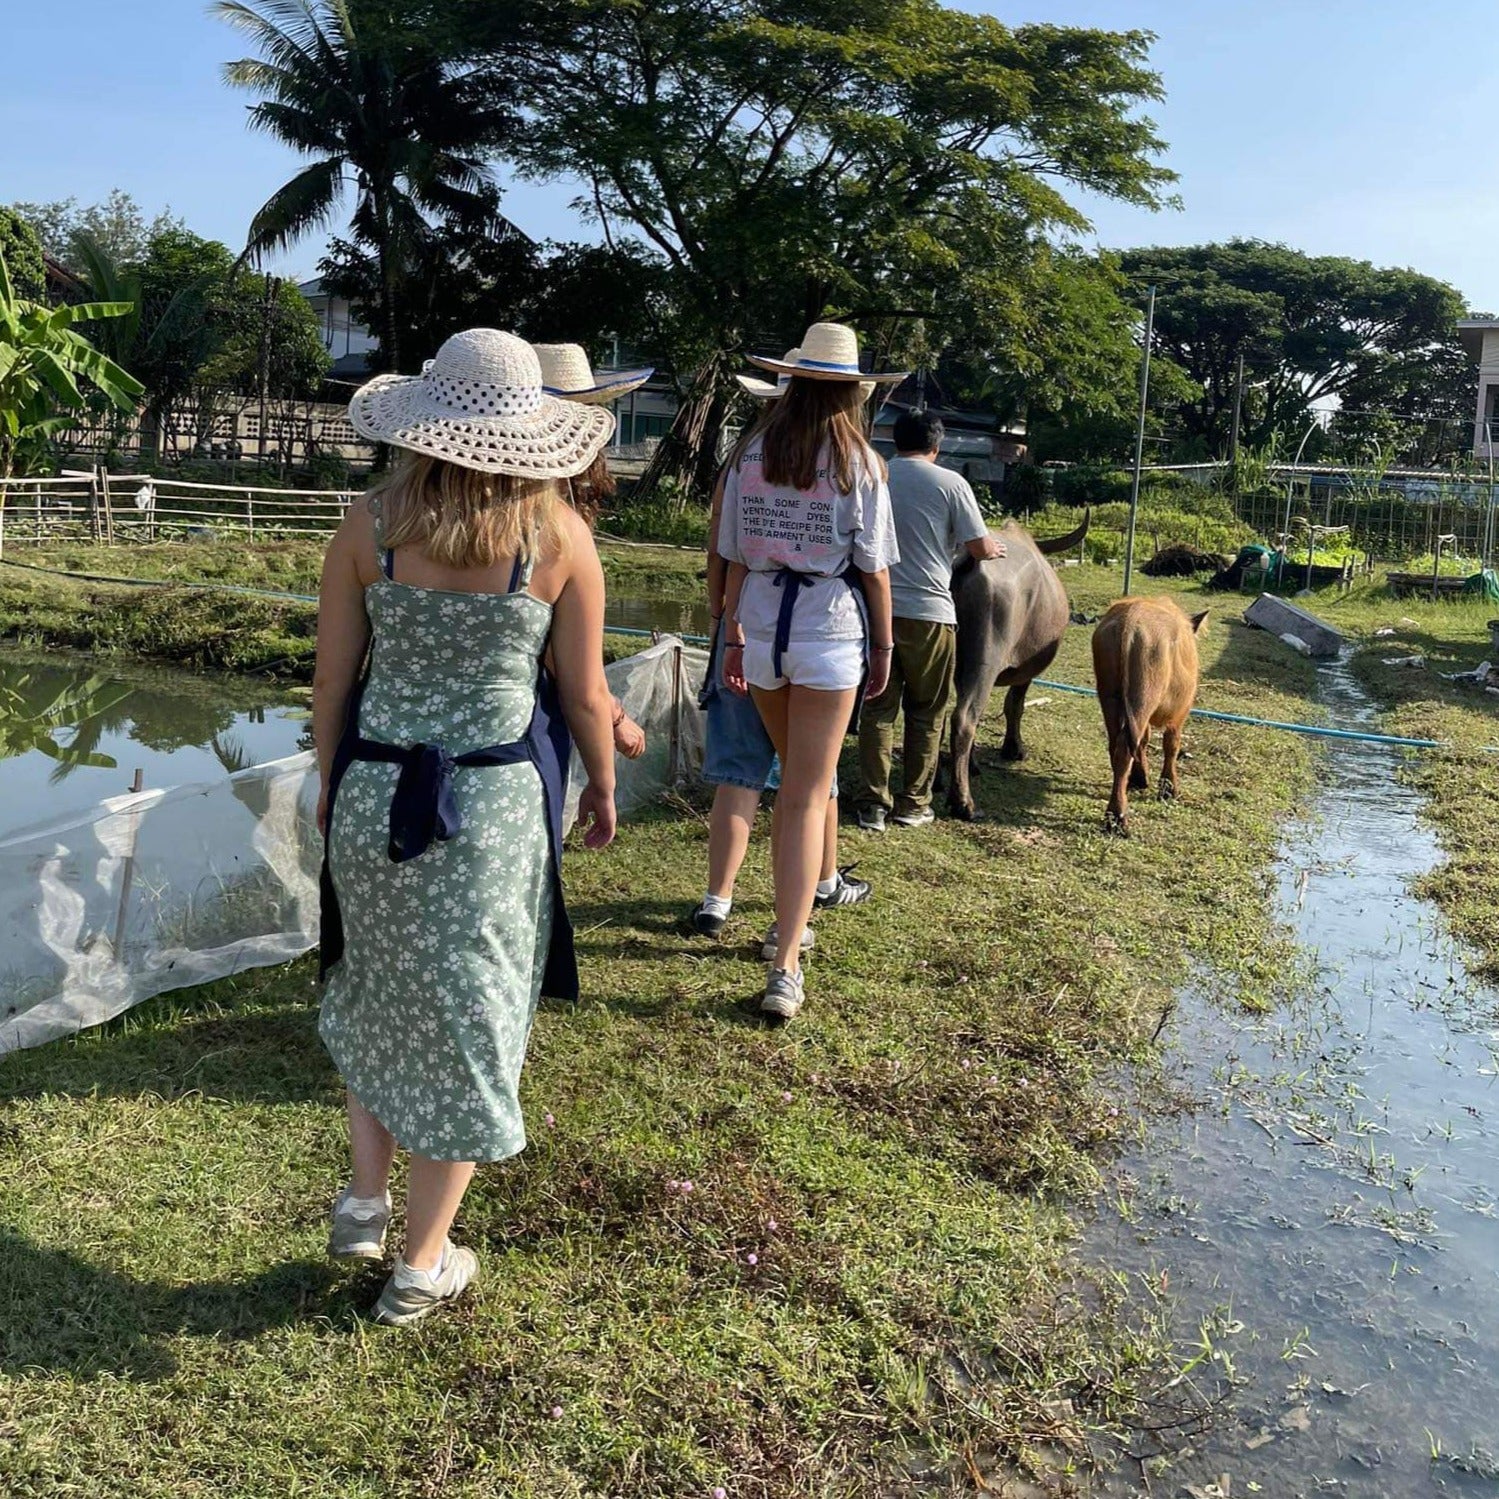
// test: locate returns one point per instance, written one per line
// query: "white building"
(344, 336)
(1480, 340)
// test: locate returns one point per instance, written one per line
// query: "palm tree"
(369, 98)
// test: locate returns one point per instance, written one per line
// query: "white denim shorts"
(827, 665)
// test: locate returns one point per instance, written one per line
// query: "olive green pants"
(921, 675)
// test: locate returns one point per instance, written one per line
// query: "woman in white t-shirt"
(809, 536)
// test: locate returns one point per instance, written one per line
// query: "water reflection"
(73, 733)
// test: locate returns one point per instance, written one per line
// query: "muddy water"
(656, 614)
(1329, 1213)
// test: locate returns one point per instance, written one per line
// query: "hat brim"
(765, 390)
(620, 384)
(811, 372)
(557, 440)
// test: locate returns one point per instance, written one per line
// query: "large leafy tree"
(786, 160)
(1308, 327)
(363, 90)
(22, 249)
(118, 225)
(196, 325)
(461, 278)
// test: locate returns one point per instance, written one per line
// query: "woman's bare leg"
(729, 827)
(432, 1200)
(830, 842)
(373, 1149)
(806, 726)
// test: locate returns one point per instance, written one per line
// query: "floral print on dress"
(427, 1014)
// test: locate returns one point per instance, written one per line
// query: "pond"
(1324, 1226)
(656, 614)
(75, 731)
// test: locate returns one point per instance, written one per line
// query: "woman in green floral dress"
(442, 771)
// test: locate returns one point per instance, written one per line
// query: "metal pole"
(1134, 489)
(1233, 441)
(1488, 520)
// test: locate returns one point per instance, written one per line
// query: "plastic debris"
(1417, 661)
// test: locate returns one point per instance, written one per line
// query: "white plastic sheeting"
(165, 888)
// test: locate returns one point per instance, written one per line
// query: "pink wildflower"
(556, 1413)
(752, 1258)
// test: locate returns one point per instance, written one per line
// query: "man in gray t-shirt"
(936, 518)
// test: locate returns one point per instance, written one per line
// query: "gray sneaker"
(410, 1294)
(771, 946)
(918, 819)
(871, 819)
(784, 994)
(356, 1238)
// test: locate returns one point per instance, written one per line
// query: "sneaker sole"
(768, 950)
(366, 1250)
(781, 1009)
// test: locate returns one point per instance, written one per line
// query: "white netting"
(167, 888)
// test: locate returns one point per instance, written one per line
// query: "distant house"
(977, 444)
(344, 336)
(1480, 340)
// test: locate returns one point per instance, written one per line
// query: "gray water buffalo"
(1011, 615)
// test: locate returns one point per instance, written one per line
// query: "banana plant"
(49, 370)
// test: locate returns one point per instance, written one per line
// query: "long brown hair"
(814, 417)
(591, 490)
(460, 517)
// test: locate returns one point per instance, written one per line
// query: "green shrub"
(659, 521)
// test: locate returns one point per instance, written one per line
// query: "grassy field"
(901, 1165)
(1461, 783)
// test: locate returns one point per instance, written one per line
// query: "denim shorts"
(737, 751)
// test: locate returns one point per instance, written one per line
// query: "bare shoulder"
(576, 557)
(354, 541)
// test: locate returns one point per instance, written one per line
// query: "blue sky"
(1351, 127)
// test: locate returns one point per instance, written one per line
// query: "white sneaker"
(784, 994)
(358, 1234)
(771, 946)
(409, 1295)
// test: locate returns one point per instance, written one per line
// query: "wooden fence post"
(109, 516)
(250, 512)
(93, 504)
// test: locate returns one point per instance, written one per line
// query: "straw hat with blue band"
(763, 390)
(830, 351)
(566, 373)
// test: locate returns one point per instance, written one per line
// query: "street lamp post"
(1134, 489)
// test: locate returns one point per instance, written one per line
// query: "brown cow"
(1145, 665)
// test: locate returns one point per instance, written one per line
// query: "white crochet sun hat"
(565, 372)
(480, 404)
(830, 351)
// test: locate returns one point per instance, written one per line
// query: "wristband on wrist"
(882, 648)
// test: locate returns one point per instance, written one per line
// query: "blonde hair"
(813, 417)
(460, 517)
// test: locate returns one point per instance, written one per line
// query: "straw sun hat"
(765, 390)
(830, 351)
(565, 372)
(480, 404)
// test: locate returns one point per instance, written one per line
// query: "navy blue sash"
(424, 809)
(791, 583)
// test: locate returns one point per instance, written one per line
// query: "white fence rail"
(101, 506)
